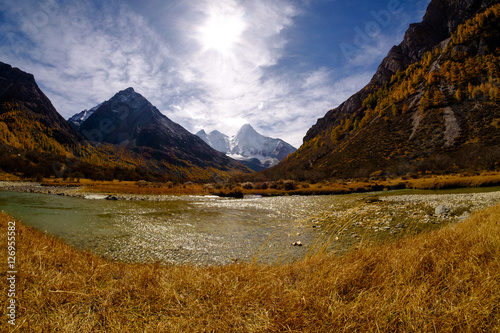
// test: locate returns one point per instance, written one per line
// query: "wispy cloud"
(84, 52)
(83, 55)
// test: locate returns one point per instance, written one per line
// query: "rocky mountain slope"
(25, 108)
(432, 106)
(125, 138)
(256, 151)
(129, 120)
(441, 19)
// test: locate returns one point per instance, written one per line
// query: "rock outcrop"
(442, 18)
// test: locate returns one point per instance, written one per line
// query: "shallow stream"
(212, 230)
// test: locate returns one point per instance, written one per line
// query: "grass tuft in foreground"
(445, 280)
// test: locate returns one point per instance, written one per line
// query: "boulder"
(442, 210)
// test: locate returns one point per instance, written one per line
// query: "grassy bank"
(276, 188)
(445, 280)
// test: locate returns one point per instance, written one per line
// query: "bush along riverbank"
(142, 190)
(444, 280)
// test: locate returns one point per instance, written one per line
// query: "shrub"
(289, 185)
(247, 186)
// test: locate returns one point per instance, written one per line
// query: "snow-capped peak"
(78, 119)
(216, 140)
(248, 144)
(247, 138)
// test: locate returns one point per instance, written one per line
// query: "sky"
(278, 65)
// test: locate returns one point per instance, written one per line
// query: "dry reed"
(442, 281)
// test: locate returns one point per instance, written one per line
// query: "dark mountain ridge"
(126, 138)
(19, 90)
(130, 120)
(440, 114)
(441, 19)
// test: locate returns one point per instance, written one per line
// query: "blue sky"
(276, 64)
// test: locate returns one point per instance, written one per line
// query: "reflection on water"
(213, 230)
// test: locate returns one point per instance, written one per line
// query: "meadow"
(276, 188)
(446, 280)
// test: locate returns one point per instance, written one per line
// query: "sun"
(221, 32)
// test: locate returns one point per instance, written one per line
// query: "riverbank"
(445, 280)
(203, 231)
(142, 190)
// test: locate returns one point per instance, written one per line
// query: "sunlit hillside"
(440, 115)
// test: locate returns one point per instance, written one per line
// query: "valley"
(385, 219)
(210, 230)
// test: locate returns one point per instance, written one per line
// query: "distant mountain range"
(433, 106)
(125, 137)
(254, 150)
(130, 120)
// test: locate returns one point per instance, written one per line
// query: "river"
(207, 230)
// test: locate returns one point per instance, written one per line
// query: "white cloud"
(82, 55)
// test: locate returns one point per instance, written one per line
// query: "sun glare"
(221, 32)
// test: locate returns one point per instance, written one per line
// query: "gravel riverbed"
(289, 226)
(76, 191)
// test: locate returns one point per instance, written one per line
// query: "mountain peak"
(201, 132)
(16, 75)
(248, 131)
(441, 19)
(216, 132)
(246, 127)
(248, 146)
(129, 92)
(126, 112)
(128, 95)
(20, 88)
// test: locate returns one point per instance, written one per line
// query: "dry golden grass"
(4, 176)
(323, 188)
(455, 181)
(129, 187)
(442, 281)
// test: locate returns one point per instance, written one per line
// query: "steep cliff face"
(441, 19)
(439, 114)
(19, 92)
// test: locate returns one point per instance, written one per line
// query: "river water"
(179, 229)
(211, 230)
